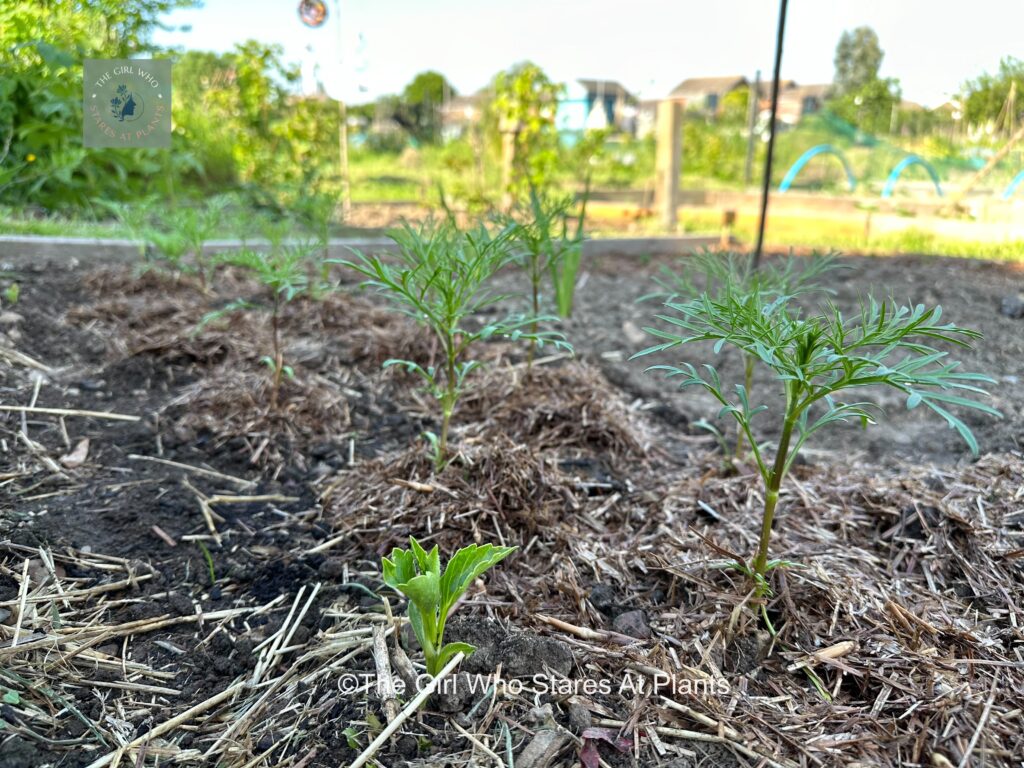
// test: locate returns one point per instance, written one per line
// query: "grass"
(843, 233)
(16, 223)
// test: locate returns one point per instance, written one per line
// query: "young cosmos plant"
(432, 594)
(283, 272)
(541, 230)
(441, 279)
(818, 361)
(195, 226)
(724, 272)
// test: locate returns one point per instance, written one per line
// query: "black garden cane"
(766, 182)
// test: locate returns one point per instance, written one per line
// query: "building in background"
(705, 94)
(460, 113)
(594, 105)
(798, 101)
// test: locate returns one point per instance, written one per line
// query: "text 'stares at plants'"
(432, 595)
(441, 278)
(819, 361)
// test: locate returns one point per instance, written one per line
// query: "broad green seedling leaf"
(416, 573)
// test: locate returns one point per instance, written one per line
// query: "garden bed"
(199, 585)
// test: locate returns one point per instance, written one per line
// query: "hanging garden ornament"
(313, 13)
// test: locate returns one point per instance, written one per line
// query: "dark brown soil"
(581, 435)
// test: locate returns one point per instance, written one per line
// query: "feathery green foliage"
(441, 279)
(818, 360)
(282, 270)
(725, 272)
(432, 594)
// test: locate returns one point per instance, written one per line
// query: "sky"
(931, 46)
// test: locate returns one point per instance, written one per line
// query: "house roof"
(764, 89)
(800, 92)
(608, 87)
(708, 85)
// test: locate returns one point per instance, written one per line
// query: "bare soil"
(272, 521)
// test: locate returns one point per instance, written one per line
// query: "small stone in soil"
(1013, 306)
(521, 654)
(579, 717)
(633, 624)
(331, 568)
(605, 599)
(407, 747)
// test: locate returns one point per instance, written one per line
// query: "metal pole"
(755, 97)
(346, 191)
(767, 181)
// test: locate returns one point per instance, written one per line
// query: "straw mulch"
(898, 628)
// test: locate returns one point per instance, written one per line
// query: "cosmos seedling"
(283, 274)
(440, 278)
(198, 225)
(432, 594)
(542, 250)
(552, 239)
(818, 360)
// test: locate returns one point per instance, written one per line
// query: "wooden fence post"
(666, 161)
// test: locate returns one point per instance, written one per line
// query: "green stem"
(535, 278)
(278, 358)
(447, 406)
(748, 382)
(771, 498)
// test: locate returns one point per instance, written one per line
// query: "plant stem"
(748, 382)
(447, 405)
(278, 361)
(771, 498)
(535, 279)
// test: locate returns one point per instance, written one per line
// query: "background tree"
(858, 59)
(420, 105)
(861, 96)
(523, 113)
(988, 98)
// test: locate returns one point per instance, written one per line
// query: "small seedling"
(315, 213)
(544, 231)
(542, 251)
(441, 279)
(432, 594)
(198, 225)
(283, 273)
(169, 246)
(816, 360)
(11, 294)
